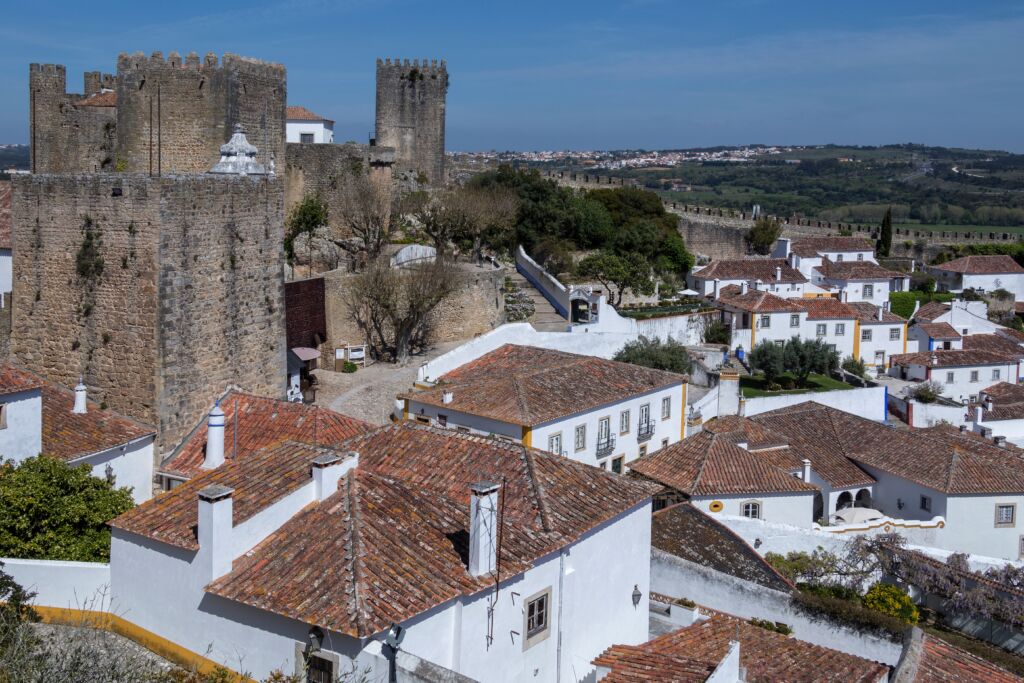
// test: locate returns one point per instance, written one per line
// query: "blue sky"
(589, 75)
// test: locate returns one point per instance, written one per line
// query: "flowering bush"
(888, 599)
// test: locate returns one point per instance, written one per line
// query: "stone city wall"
(158, 292)
(66, 138)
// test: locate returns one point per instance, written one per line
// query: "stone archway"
(863, 499)
(845, 500)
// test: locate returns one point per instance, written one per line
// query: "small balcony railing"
(605, 446)
(645, 431)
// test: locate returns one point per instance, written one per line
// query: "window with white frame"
(860, 257)
(950, 378)
(840, 329)
(794, 320)
(995, 373)
(580, 437)
(306, 138)
(869, 291)
(536, 618)
(751, 509)
(821, 329)
(1006, 514)
(894, 334)
(766, 321)
(666, 408)
(624, 422)
(974, 375)
(865, 334)
(555, 443)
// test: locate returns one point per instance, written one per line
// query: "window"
(894, 334)
(423, 419)
(624, 422)
(865, 335)
(869, 291)
(926, 503)
(617, 464)
(645, 415)
(840, 329)
(1006, 515)
(664, 443)
(462, 430)
(821, 330)
(643, 450)
(306, 138)
(319, 669)
(604, 465)
(1020, 550)
(995, 374)
(442, 420)
(860, 257)
(537, 615)
(780, 343)
(794, 320)
(555, 443)
(974, 375)
(766, 321)
(949, 377)
(3, 416)
(751, 509)
(839, 258)
(580, 438)
(666, 408)
(604, 435)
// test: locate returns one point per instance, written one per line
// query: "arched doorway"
(863, 499)
(819, 507)
(845, 500)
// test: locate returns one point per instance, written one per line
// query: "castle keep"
(411, 113)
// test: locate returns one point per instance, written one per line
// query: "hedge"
(902, 303)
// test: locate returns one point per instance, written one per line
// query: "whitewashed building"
(854, 281)
(770, 275)
(807, 253)
(966, 317)
(961, 373)
(304, 126)
(753, 315)
(881, 334)
(980, 273)
(596, 411)
(478, 557)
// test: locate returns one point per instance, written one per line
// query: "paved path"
(545, 317)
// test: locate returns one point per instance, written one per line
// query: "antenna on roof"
(234, 433)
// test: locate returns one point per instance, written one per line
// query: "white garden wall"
(66, 585)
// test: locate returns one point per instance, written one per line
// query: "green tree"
(653, 353)
(804, 356)
(306, 216)
(885, 243)
(854, 366)
(630, 272)
(762, 235)
(767, 357)
(52, 511)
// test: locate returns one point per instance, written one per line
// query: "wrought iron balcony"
(645, 430)
(605, 446)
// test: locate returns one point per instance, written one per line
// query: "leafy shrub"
(716, 332)
(349, 366)
(891, 600)
(773, 626)
(763, 234)
(653, 353)
(848, 613)
(767, 358)
(927, 392)
(306, 216)
(854, 366)
(902, 303)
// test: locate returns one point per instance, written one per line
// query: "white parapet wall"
(867, 402)
(546, 283)
(65, 585)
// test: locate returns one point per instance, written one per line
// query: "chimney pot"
(988, 403)
(447, 397)
(778, 272)
(978, 414)
(81, 404)
(214, 530)
(743, 287)
(963, 428)
(483, 528)
(214, 438)
(806, 474)
(329, 468)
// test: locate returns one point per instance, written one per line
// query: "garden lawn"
(753, 386)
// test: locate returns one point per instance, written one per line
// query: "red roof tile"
(867, 313)
(750, 269)
(826, 308)
(939, 331)
(297, 113)
(68, 435)
(949, 358)
(528, 386)
(933, 660)
(14, 380)
(995, 343)
(814, 246)
(755, 301)
(855, 270)
(709, 464)
(1007, 402)
(5, 214)
(981, 265)
(263, 422)
(930, 311)
(767, 657)
(100, 99)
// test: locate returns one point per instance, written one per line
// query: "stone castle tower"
(411, 114)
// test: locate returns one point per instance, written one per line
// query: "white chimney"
(329, 468)
(806, 474)
(979, 414)
(988, 403)
(214, 531)
(81, 405)
(716, 288)
(778, 272)
(879, 314)
(214, 438)
(743, 287)
(917, 305)
(757, 285)
(483, 528)
(447, 397)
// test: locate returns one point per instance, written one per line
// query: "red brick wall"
(304, 312)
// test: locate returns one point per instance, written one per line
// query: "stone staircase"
(545, 317)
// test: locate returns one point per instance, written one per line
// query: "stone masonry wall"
(189, 299)
(411, 114)
(66, 138)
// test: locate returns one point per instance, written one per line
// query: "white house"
(770, 275)
(859, 281)
(832, 322)
(474, 555)
(881, 333)
(962, 373)
(753, 315)
(966, 317)
(807, 253)
(596, 411)
(932, 336)
(304, 126)
(37, 417)
(980, 273)
(999, 412)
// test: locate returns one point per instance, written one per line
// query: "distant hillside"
(15, 156)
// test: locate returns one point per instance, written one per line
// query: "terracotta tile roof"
(263, 422)
(995, 343)
(768, 657)
(930, 311)
(756, 301)
(14, 379)
(297, 113)
(855, 270)
(939, 331)
(390, 543)
(981, 265)
(5, 214)
(933, 660)
(750, 269)
(741, 429)
(528, 386)
(1007, 402)
(68, 436)
(867, 313)
(709, 464)
(684, 531)
(1011, 333)
(100, 99)
(814, 246)
(950, 358)
(826, 308)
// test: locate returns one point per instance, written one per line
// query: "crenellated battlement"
(424, 65)
(138, 61)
